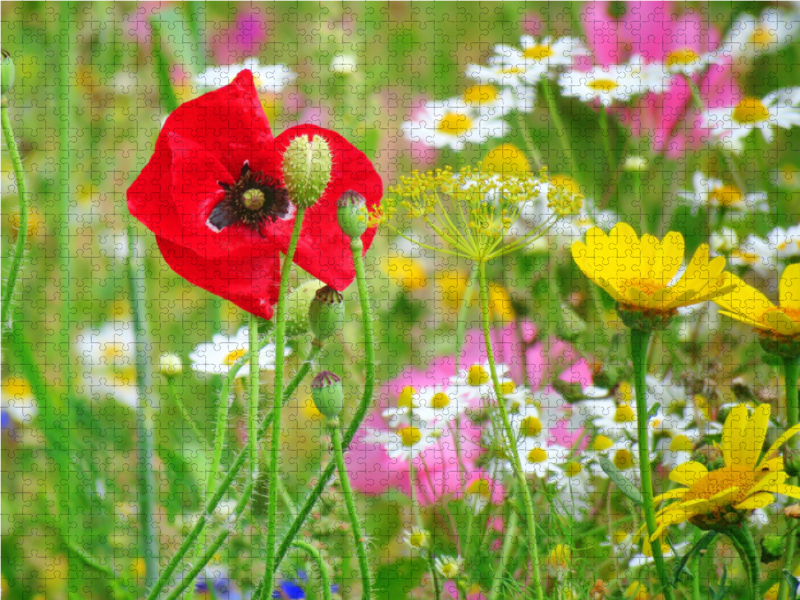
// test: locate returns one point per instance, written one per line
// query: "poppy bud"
(328, 394)
(352, 214)
(326, 313)
(6, 73)
(170, 365)
(307, 169)
(297, 304)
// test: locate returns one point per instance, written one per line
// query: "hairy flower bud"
(298, 303)
(6, 73)
(170, 365)
(307, 169)
(352, 214)
(328, 394)
(326, 313)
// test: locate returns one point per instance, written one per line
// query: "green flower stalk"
(791, 371)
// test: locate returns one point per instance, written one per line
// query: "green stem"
(145, 429)
(252, 410)
(184, 413)
(696, 576)
(511, 438)
(237, 465)
(743, 542)
(316, 557)
(791, 368)
(461, 324)
(562, 133)
(22, 233)
(358, 538)
(280, 341)
(169, 101)
(508, 543)
(607, 143)
(369, 385)
(639, 342)
(523, 125)
(437, 590)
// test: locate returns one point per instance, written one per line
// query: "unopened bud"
(791, 461)
(352, 214)
(307, 170)
(170, 365)
(328, 394)
(709, 456)
(792, 512)
(326, 313)
(6, 73)
(297, 304)
(635, 163)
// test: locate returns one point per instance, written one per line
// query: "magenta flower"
(241, 39)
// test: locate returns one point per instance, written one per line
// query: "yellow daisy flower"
(746, 304)
(637, 272)
(716, 499)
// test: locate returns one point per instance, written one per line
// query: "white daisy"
(217, 357)
(604, 84)
(754, 253)
(108, 356)
(490, 100)
(407, 440)
(686, 61)
(711, 192)
(573, 482)
(473, 386)
(678, 449)
(452, 124)
(750, 36)
(724, 241)
(777, 109)
(785, 242)
(267, 78)
(438, 404)
(526, 423)
(449, 567)
(540, 459)
(523, 95)
(649, 76)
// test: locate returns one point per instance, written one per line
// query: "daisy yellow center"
(531, 427)
(454, 124)
(506, 159)
(623, 459)
(681, 443)
(536, 456)
(512, 71)
(409, 436)
(625, 392)
(721, 480)
(17, 387)
(601, 443)
(481, 94)
(406, 397)
(232, 357)
(125, 377)
(680, 58)
(449, 570)
(648, 286)
(440, 400)
(507, 387)
(477, 375)
(573, 469)
(726, 195)
(114, 350)
(763, 37)
(418, 539)
(479, 487)
(539, 52)
(750, 111)
(624, 414)
(603, 85)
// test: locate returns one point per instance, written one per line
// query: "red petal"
(249, 280)
(323, 250)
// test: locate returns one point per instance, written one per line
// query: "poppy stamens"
(254, 200)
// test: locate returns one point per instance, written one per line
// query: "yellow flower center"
(681, 443)
(418, 539)
(506, 159)
(603, 85)
(454, 124)
(792, 313)
(409, 436)
(538, 52)
(565, 183)
(624, 414)
(726, 195)
(559, 557)
(406, 397)
(512, 71)
(623, 459)
(113, 351)
(232, 357)
(602, 443)
(625, 392)
(477, 375)
(750, 111)
(440, 400)
(531, 427)
(449, 570)
(702, 405)
(17, 387)
(721, 480)
(762, 37)
(478, 95)
(573, 469)
(680, 58)
(537, 455)
(648, 286)
(480, 487)
(507, 387)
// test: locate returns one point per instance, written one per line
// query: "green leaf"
(701, 545)
(653, 410)
(622, 482)
(794, 582)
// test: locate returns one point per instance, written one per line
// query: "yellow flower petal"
(790, 287)
(677, 493)
(688, 473)
(755, 434)
(774, 464)
(733, 433)
(743, 302)
(759, 500)
(780, 442)
(788, 490)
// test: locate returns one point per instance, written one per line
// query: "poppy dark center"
(255, 199)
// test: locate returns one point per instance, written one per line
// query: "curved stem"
(280, 328)
(508, 543)
(316, 557)
(358, 538)
(22, 233)
(511, 439)
(369, 385)
(791, 366)
(743, 542)
(639, 342)
(526, 134)
(184, 413)
(562, 134)
(237, 465)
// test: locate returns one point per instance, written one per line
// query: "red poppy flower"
(213, 195)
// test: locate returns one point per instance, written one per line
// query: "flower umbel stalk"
(252, 411)
(509, 434)
(791, 370)
(358, 538)
(316, 558)
(280, 328)
(639, 343)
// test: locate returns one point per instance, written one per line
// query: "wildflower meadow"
(388, 300)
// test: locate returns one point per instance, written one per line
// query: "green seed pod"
(307, 170)
(297, 304)
(6, 73)
(352, 214)
(328, 394)
(326, 313)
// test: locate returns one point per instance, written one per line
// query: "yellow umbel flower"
(722, 498)
(746, 304)
(637, 272)
(408, 273)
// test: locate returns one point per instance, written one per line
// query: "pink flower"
(473, 593)
(653, 30)
(241, 39)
